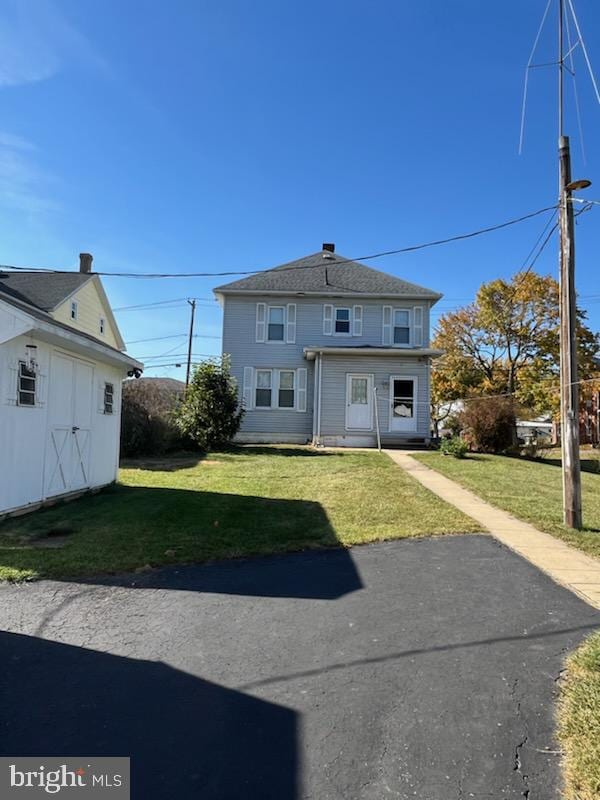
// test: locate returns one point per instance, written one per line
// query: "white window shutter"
(327, 320)
(248, 388)
(101, 397)
(386, 333)
(418, 325)
(261, 321)
(357, 319)
(291, 323)
(301, 376)
(13, 379)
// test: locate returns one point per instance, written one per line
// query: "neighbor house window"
(26, 385)
(401, 326)
(286, 388)
(264, 382)
(74, 309)
(109, 398)
(102, 325)
(275, 324)
(342, 320)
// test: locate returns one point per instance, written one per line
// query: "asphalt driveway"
(415, 669)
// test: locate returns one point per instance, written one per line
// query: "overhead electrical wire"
(174, 336)
(381, 254)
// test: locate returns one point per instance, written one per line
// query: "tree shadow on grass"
(172, 462)
(187, 738)
(129, 527)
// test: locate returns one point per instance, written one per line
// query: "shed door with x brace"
(68, 448)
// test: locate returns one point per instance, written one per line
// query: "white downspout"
(319, 403)
(315, 401)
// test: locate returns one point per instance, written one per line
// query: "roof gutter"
(54, 335)
(433, 297)
(48, 330)
(310, 353)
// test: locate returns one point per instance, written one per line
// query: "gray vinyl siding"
(333, 404)
(239, 341)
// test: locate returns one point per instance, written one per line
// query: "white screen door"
(359, 402)
(68, 449)
(403, 403)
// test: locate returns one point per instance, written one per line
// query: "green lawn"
(579, 722)
(242, 502)
(531, 490)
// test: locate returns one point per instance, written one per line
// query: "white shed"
(60, 387)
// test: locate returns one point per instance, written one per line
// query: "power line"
(410, 249)
(174, 336)
(173, 355)
(179, 300)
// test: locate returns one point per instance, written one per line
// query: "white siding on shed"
(25, 432)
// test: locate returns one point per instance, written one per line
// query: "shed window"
(109, 398)
(74, 309)
(264, 379)
(342, 320)
(102, 325)
(401, 326)
(26, 385)
(276, 324)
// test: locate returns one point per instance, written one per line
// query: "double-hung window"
(401, 326)
(286, 388)
(26, 385)
(275, 388)
(264, 388)
(342, 321)
(276, 324)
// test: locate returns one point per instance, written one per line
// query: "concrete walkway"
(566, 565)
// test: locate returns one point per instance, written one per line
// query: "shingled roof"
(327, 273)
(44, 290)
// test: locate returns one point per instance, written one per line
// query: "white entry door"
(68, 448)
(359, 402)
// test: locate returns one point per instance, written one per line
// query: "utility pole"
(569, 386)
(191, 337)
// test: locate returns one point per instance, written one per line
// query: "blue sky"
(196, 136)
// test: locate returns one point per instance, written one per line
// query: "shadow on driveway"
(187, 738)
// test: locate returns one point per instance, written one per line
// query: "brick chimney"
(329, 246)
(85, 262)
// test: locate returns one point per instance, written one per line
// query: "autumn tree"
(507, 342)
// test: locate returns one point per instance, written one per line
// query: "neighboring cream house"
(62, 362)
(328, 350)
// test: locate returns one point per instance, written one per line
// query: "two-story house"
(62, 362)
(325, 349)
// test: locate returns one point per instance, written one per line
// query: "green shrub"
(210, 414)
(455, 446)
(147, 426)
